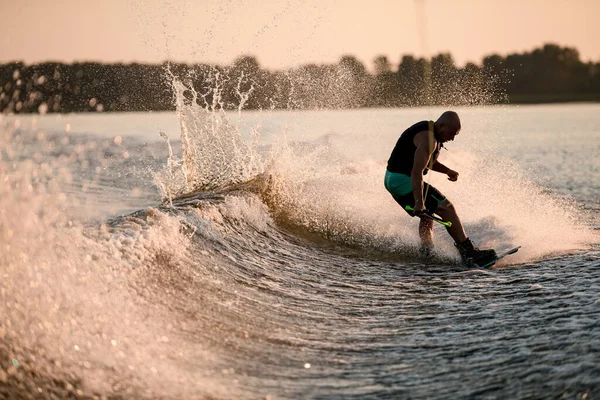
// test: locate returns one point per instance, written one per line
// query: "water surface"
(297, 275)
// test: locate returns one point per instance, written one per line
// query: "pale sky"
(289, 33)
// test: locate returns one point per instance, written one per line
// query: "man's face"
(448, 133)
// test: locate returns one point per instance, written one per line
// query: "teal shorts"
(400, 187)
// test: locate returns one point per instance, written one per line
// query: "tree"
(382, 65)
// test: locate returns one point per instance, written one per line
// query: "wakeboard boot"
(471, 255)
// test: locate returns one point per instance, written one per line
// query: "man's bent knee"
(446, 207)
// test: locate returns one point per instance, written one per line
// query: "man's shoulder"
(419, 127)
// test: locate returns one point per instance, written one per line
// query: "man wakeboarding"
(416, 153)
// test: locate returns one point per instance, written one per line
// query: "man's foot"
(472, 255)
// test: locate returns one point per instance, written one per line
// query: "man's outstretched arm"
(439, 167)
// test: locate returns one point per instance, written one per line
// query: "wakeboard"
(498, 257)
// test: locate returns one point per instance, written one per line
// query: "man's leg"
(426, 235)
(426, 232)
(468, 251)
(437, 203)
(448, 213)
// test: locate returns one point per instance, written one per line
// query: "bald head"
(447, 126)
(450, 119)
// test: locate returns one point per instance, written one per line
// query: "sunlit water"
(296, 275)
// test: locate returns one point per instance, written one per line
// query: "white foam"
(214, 152)
(499, 206)
(334, 183)
(71, 300)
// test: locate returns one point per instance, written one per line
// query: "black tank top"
(403, 156)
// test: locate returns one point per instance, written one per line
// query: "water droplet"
(43, 108)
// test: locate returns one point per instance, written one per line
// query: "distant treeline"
(548, 74)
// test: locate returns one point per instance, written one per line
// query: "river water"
(263, 258)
